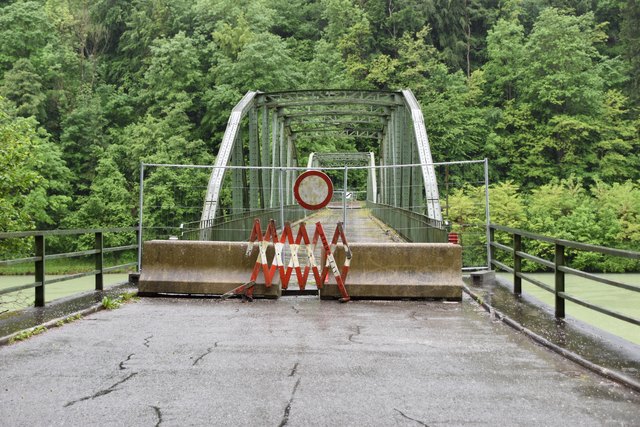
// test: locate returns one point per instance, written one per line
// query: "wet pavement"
(593, 344)
(299, 361)
(360, 224)
(19, 320)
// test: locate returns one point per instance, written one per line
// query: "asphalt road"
(298, 361)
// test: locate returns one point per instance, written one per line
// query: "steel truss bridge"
(264, 129)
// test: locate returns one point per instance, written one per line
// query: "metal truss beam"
(311, 112)
(424, 152)
(308, 95)
(336, 121)
(276, 120)
(346, 133)
(228, 140)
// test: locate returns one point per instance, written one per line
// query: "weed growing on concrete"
(110, 303)
(69, 319)
(28, 334)
(129, 296)
(113, 303)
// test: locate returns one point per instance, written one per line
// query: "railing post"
(39, 270)
(517, 264)
(344, 199)
(559, 280)
(492, 254)
(141, 217)
(99, 261)
(281, 196)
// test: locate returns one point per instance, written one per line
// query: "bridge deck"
(360, 225)
(298, 361)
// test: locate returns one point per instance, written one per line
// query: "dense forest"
(548, 90)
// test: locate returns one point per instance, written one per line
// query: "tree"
(173, 74)
(505, 50)
(33, 189)
(263, 63)
(630, 35)
(24, 30)
(560, 76)
(23, 86)
(83, 139)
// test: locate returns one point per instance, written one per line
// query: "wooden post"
(40, 266)
(99, 261)
(517, 264)
(559, 280)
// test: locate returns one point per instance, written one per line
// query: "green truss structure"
(275, 121)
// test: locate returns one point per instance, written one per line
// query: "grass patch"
(28, 334)
(110, 303)
(113, 303)
(69, 319)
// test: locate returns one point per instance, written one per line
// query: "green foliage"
(24, 335)
(24, 29)
(548, 91)
(605, 215)
(110, 303)
(114, 303)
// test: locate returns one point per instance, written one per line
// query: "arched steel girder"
(271, 142)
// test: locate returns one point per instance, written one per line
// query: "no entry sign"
(313, 190)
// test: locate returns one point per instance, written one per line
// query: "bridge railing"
(41, 256)
(559, 266)
(412, 226)
(237, 228)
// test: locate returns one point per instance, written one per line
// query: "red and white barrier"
(263, 241)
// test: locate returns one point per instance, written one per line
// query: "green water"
(619, 300)
(25, 298)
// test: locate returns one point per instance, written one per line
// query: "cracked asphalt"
(298, 361)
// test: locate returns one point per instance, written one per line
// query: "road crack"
(147, 340)
(287, 410)
(158, 414)
(358, 331)
(101, 392)
(409, 418)
(202, 356)
(294, 370)
(122, 367)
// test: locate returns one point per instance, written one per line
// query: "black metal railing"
(558, 266)
(40, 257)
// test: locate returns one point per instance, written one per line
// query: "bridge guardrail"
(40, 257)
(236, 227)
(559, 267)
(413, 226)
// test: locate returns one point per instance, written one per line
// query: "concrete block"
(194, 267)
(482, 278)
(402, 270)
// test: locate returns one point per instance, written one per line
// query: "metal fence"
(37, 242)
(173, 196)
(560, 265)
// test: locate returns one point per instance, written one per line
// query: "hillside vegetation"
(548, 90)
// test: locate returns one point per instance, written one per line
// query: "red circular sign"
(313, 190)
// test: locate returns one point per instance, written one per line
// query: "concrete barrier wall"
(194, 267)
(404, 270)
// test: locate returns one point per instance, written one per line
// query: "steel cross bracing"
(263, 128)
